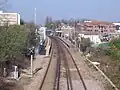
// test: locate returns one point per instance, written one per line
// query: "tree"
(22, 22)
(13, 42)
(31, 36)
(48, 20)
(49, 23)
(2, 4)
(85, 43)
(57, 23)
(64, 21)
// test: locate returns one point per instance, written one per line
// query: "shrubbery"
(85, 43)
(115, 48)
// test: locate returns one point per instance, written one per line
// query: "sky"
(107, 10)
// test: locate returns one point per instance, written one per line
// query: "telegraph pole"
(35, 16)
(74, 34)
(31, 61)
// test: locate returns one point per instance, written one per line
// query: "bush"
(85, 43)
(115, 46)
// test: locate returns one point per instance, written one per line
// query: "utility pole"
(35, 21)
(31, 72)
(35, 16)
(74, 34)
(31, 60)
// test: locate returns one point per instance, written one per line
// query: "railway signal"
(31, 62)
(32, 53)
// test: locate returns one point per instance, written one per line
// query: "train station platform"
(39, 66)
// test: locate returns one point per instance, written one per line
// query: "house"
(66, 30)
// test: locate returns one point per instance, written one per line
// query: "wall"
(93, 38)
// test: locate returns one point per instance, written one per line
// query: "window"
(98, 26)
(102, 26)
(115, 26)
(96, 30)
(89, 26)
(105, 30)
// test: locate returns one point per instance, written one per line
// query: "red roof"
(99, 23)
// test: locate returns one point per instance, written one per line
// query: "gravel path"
(34, 83)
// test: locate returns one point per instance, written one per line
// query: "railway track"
(45, 75)
(58, 64)
(64, 63)
(71, 62)
(61, 56)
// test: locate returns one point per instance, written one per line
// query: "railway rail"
(61, 56)
(64, 57)
(71, 59)
(45, 75)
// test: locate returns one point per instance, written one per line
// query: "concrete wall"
(93, 38)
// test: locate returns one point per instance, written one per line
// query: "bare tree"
(48, 20)
(3, 4)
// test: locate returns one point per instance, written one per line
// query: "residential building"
(96, 27)
(9, 18)
(67, 30)
(95, 30)
(117, 26)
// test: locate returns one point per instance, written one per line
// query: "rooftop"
(2, 12)
(100, 23)
(95, 22)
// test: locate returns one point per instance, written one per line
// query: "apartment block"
(96, 27)
(9, 18)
